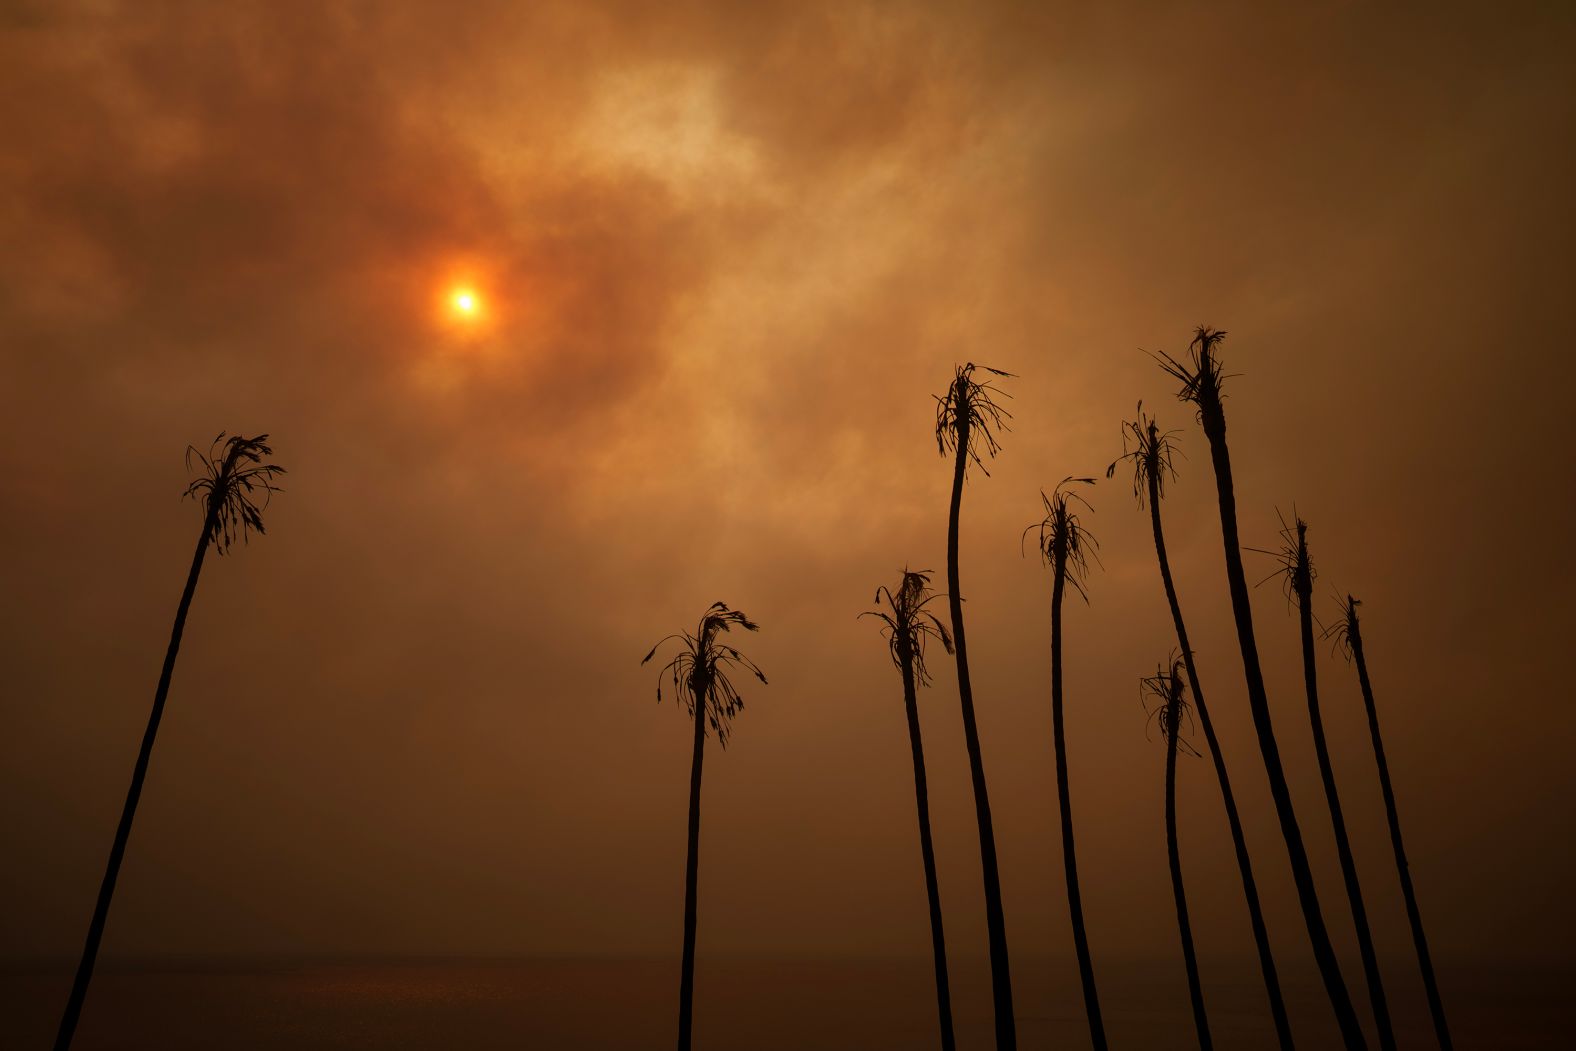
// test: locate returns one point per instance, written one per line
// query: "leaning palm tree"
(1150, 451)
(908, 626)
(1066, 547)
(1298, 574)
(233, 489)
(1348, 633)
(699, 676)
(1201, 378)
(1169, 713)
(966, 418)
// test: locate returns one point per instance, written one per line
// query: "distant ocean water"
(743, 1004)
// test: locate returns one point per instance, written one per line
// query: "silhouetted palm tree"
(1169, 713)
(1348, 633)
(908, 625)
(965, 419)
(700, 682)
(1201, 379)
(1151, 454)
(1297, 567)
(1066, 547)
(234, 478)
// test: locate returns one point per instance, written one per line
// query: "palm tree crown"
(234, 478)
(1064, 543)
(969, 413)
(909, 624)
(700, 670)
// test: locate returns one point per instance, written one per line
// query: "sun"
(464, 302)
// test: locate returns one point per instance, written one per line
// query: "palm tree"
(1169, 713)
(1349, 634)
(966, 417)
(233, 479)
(1065, 546)
(1297, 568)
(1201, 379)
(700, 683)
(908, 625)
(1151, 455)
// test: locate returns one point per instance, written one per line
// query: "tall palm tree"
(1066, 546)
(966, 418)
(1169, 713)
(908, 626)
(234, 487)
(1201, 377)
(1150, 451)
(1297, 567)
(699, 675)
(1348, 633)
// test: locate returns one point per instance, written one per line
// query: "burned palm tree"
(1162, 697)
(1066, 547)
(1348, 633)
(233, 489)
(1201, 378)
(1297, 573)
(967, 418)
(908, 626)
(1150, 451)
(699, 678)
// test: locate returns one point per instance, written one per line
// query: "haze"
(727, 254)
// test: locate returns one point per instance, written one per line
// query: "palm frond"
(1064, 543)
(1346, 631)
(234, 486)
(699, 671)
(909, 624)
(1163, 696)
(1200, 371)
(1150, 450)
(968, 408)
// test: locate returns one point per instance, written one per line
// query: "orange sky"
(728, 252)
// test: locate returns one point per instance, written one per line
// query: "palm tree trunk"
(1194, 989)
(1239, 842)
(938, 939)
(1214, 420)
(79, 986)
(1343, 843)
(691, 876)
(995, 921)
(1436, 1006)
(1069, 855)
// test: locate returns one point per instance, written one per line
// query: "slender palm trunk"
(1194, 989)
(691, 873)
(1063, 798)
(995, 921)
(1436, 1006)
(927, 850)
(1343, 843)
(79, 986)
(1239, 842)
(1214, 420)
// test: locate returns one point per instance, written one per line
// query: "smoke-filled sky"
(726, 254)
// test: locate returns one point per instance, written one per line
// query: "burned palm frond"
(1200, 374)
(909, 624)
(1151, 450)
(699, 672)
(1345, 633)
(234, 479)
(1163, 696)
(969, 411)
(1064, 543)
(1294, 566)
